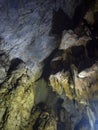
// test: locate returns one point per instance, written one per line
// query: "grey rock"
(26, 26)
(25, 32)
(70, 39)
(2, 74)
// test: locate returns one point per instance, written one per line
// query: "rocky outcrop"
(48, 65)
(17, 98)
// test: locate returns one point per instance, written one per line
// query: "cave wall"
(48, 65)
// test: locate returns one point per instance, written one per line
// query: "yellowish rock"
(60, 84)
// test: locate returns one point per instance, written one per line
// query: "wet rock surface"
(48, 65)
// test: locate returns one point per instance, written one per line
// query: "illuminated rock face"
(18, 95)
(48, 65)
(25, 29)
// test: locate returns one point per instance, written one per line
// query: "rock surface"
(48, 65)
(70, 39)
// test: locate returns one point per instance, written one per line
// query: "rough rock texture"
(23, 33)
(70, 39)
(17, 98)
(48, 65)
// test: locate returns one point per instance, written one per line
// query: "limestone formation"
(70, 39)
(48, 65)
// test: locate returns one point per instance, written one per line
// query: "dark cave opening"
(55, 66)
(13, 65)
(95, 25)
(47, 68)
(85, 63)
(92, 48)
(78, 52)
(60, 22)
(85, 57)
